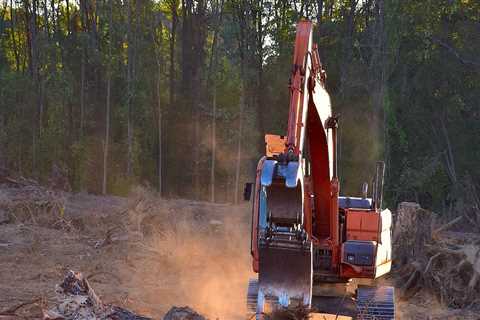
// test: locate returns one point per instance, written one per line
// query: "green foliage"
(403, 76)
(434, 97)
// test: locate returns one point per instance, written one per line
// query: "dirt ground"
(141, 253)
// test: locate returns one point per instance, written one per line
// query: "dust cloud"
(193, 254)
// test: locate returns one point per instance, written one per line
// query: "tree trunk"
(129, 90)
(67, 12)
(160, 153)
(12, 34)
(3, 12)
(107, 136)
(45, 18)
(82, 93)
(259, 96)
(31, 27)
(158, 57)
(172, 53)
(55, 16)
(94, 28)
(82, 70)
(187, 88)
(57, 34)
(347, 48)
(107, 109)
(383, 77)
(212, 74)
(245, 55)
(186, 47)
(239, 145)
(319, 14)
(170, 122)
(196, 160)
(214, 144)
(195, 50)
(378, 70)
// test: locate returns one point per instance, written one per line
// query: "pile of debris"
(53, 205)
(25, 200)
(430, 257)
(76, 300)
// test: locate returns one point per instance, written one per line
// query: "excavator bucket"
(285, 275)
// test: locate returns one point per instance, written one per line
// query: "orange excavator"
(305, 236)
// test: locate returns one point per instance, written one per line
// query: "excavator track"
(252, 297)
(375, 303)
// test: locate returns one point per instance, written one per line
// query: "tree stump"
(412, 230)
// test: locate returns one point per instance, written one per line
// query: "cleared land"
(141, 253)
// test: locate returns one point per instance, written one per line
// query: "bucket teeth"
(285, 274)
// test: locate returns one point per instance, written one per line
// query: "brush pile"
(25, 200)
(76, 300)
(429, 257)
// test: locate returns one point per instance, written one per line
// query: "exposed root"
(445, 263)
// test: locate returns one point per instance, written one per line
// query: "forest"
(178, 94)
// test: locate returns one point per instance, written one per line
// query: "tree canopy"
(178, 94)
